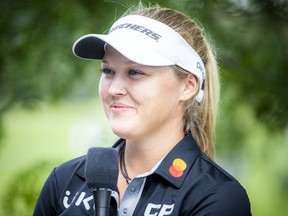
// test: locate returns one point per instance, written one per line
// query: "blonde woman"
(159, 89)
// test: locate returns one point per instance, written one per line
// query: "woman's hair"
(199, 118)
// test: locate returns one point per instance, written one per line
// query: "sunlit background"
(50, 111)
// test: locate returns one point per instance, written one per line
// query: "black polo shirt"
(185, 182)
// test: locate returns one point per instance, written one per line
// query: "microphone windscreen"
(102, 168)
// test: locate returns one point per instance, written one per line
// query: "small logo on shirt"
(158, 209)
(177, 168)
(78, 199)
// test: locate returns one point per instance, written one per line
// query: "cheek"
(104, 96)
(168, 97)
(160, 97)
(103, 89)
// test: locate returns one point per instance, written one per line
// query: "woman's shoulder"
(74, 162)
(70, 167)
(222, 191)
(213, 169)
(231, 197)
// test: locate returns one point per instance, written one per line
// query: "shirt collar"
(175, 165)
(80, 171)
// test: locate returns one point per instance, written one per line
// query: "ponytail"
(199, 118)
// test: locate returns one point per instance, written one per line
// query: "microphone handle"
(102, 197)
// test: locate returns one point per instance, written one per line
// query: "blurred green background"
(50, 110)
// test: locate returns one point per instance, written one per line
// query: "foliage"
(22, 191)
(251, 37)
(36, 61)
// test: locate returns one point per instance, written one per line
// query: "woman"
(159, 89)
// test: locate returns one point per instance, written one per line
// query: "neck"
(141, 157)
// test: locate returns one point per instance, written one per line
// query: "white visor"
(144, 41)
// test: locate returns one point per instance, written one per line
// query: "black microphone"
(101, 177)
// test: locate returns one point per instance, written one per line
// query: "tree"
(252, 37)
(36, 61)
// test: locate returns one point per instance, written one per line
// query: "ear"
(190, 88)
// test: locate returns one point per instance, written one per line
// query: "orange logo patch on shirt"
(177, 168)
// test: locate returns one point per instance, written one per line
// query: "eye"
(134, 72)
(107, 71)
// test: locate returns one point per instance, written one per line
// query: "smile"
(119, 107)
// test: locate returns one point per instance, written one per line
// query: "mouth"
(119, 107)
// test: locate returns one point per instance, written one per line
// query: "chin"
(124, 129)
(121, 132)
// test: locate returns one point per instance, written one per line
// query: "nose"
(117, 86)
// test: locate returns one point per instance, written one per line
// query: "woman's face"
(140, 101)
